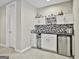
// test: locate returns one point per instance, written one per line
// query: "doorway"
(11, 25)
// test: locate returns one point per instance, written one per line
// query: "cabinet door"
(33, 40)
(49, 42)
(68, 19)
(60, 19)
(43, 42)
(65, 19)
(39, 21)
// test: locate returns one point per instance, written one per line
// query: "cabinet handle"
(47, 40)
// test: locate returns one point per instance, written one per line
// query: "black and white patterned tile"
(55, 28)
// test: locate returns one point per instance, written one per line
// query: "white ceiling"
(37, 3)
(43, 3)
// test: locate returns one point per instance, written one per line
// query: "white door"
(11, 25)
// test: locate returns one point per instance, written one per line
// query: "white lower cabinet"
(49, 42)
(33, 40)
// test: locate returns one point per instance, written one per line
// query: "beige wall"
(28, 13)
(18, 24)
(25, 14)
(66, 7)
(76, 23)
(2, 25)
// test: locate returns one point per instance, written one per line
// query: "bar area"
(56, 38)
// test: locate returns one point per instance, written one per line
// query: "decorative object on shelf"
(51, 19)
(61, 13)
(38, 15)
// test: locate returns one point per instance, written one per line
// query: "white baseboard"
(17, 50)
(21, 51)
(3, 45)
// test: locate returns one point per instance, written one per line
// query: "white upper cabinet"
(39, 21)
(60, 19)
(65, 19)
(68, 19)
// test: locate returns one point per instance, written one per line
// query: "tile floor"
(30, 54)
(4, 50)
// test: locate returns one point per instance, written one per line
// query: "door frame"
(7, 21)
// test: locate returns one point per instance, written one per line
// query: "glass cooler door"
(64, 45)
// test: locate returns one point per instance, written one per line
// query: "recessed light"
(47, 0)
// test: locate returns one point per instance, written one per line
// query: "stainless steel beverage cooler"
(65, 45)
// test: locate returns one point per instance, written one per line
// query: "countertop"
(60, 29)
